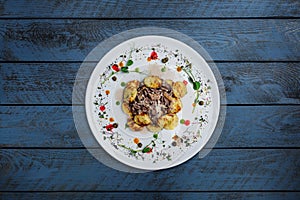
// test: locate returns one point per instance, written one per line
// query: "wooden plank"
(226, 40)
(223, 170)
(245, 127)
(149, 9)
(52, 83)
(150, 195)
(38, 83)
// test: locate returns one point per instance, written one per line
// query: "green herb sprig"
(192, 80)
(146, 149)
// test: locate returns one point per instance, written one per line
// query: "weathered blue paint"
(257, 46)
(245, 127)
(245, 83)
(150, 195)
(226, 40)
(222, 169)
(150, 9)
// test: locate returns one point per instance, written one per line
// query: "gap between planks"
(215, 148)
(147, 18)
(147, 191)
(231, 105)
(80, 61)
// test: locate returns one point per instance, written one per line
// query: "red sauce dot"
(187, 122)
(102, 108)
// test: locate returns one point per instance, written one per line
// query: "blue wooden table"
(256, 46)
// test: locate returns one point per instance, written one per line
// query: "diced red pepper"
(115, 67)
(109, 127)
(150, 150)
(153, 55)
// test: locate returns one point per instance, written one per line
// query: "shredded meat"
(151, 101)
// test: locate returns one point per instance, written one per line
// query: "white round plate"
(169, 59)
